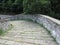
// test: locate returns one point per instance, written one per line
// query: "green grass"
(1, 31)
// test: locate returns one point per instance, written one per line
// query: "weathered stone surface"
(27, 33)
(51, 24)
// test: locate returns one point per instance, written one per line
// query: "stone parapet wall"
(51, 24)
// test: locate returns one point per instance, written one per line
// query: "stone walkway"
(26, 33)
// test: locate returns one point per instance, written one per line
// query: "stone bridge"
(31, 30)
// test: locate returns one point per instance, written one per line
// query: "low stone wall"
(51, 24)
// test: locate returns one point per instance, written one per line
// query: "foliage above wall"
(36, 6)
(14, 6)
(47, 7)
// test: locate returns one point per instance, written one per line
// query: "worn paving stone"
(27, 33)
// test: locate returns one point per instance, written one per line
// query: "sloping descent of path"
(26, 33)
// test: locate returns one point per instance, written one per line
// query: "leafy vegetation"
(47, 7)
(11, 6)
(36, 6)
(55, 7)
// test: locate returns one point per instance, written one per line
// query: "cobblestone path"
(26, 33)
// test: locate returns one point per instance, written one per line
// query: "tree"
(55, 7)
(17, 6)
(36, 6)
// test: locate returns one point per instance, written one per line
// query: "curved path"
(26, 33)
